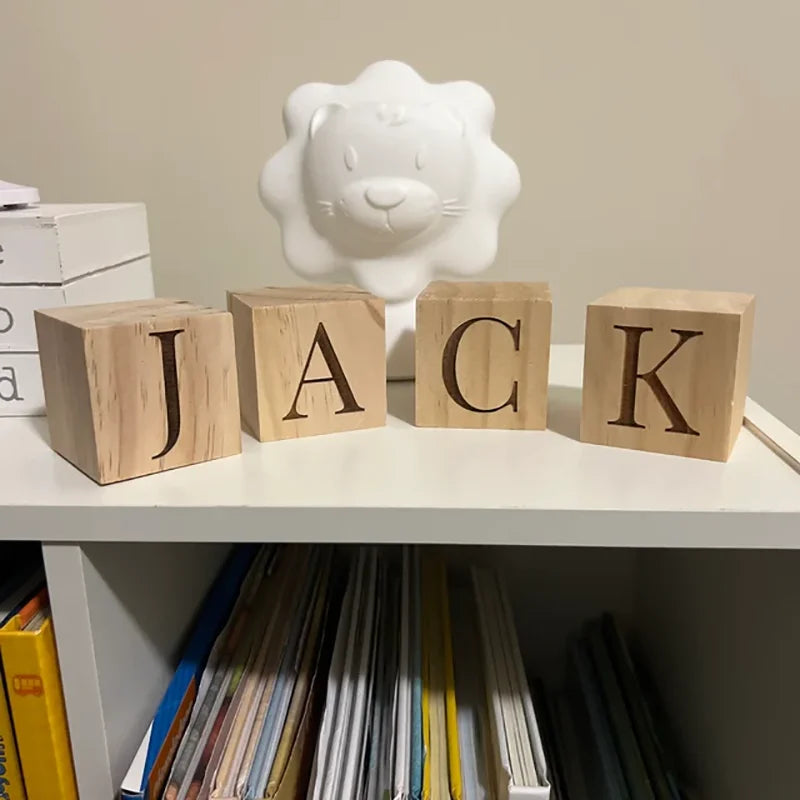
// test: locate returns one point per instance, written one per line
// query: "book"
(478, 781)
(151, 765)
(224, 666)
(24, 580)
(12, 786)
(521, 768)
(436, 774)
(663, 787)
(630, 756)
(36, 700)
(601, 760)
(415, 649)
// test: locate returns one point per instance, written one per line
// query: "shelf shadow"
(39, 425)
(400, 400)
(564, 411)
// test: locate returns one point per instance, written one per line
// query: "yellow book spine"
(453, 749)
(11, 785)
(37, 709)
(426, 686)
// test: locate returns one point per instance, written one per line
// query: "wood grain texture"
(104, 372)
(482, 355)
(692, 405)
(291, 342)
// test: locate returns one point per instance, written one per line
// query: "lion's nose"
(385, 195)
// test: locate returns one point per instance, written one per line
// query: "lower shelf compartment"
(717, 627)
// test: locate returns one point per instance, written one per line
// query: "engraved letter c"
(449, 365)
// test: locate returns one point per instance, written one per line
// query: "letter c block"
(667, 370)
(139, 387)
(482, 355)
(312, 360)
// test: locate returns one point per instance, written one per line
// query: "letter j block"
(139, 387)
(667, 370)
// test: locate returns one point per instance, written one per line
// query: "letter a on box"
(667, 370)
(311, 360)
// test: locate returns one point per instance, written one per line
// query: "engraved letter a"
(631, 376)
(337, 376)
(172, 401)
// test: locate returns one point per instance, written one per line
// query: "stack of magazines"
(605, 733)
(362, 674)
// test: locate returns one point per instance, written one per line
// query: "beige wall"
(657, 140)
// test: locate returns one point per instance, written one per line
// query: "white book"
(516, 744)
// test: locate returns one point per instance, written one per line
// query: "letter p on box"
(139, 387)
(667, 370)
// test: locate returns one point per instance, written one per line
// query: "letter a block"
(667, 370)
(482, 355)
(311, 360)
(139, 387)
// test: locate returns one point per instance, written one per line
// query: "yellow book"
(436, 773)
(426, 697)
(11, 786)
(453, 749)
(36, 699)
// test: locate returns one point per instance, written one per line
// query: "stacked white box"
(53, 255)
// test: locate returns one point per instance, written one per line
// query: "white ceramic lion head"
(390, 179)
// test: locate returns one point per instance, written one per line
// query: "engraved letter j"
(171, 398)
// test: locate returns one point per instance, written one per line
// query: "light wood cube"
(311, 360)
(667, 370)
(482, 355)
(139, 387)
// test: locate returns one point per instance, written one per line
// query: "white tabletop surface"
(342, 480)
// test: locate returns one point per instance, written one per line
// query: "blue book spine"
(212, 617)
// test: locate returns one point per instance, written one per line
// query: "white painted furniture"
(55, 255)
(701, 560)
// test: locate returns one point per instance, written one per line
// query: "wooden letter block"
(139, 387)
(482, 355)
(667, 370)
(311, 360)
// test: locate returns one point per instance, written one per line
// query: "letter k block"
(312, 360)
(667, 370)
(139, 387)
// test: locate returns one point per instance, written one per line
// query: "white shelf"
(404, 484)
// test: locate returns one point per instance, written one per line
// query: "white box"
(130, 281)
(21, 392)
(56, 243)
(55, 255)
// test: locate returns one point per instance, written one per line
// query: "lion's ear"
(320, 115)
(447, 112)
(458, 120)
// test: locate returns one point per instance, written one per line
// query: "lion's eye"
(350, 158)
(422, 157)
